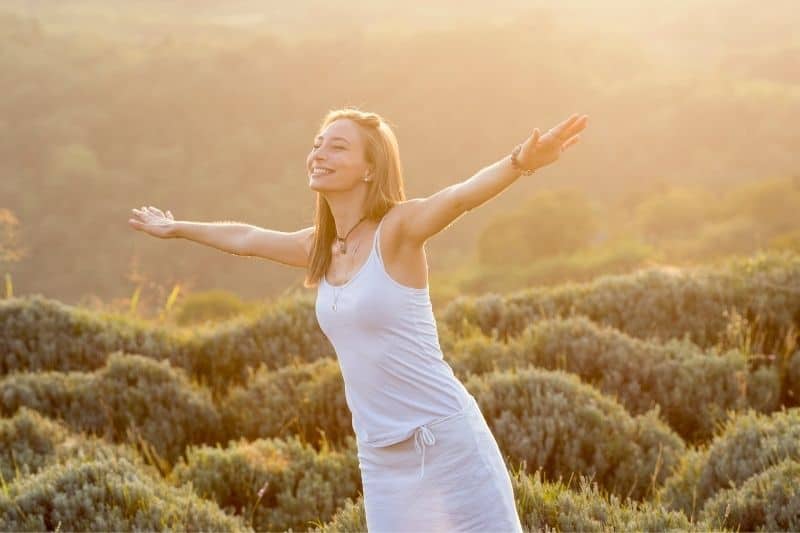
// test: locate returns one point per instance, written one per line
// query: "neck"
(347, 210)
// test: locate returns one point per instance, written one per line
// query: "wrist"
(516, 165)
(175, 230)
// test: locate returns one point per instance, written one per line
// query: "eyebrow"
(342, 138)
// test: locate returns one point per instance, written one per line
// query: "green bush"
(27, 442)
(350, 518)
(768, 501)
(554, 506)
(110, 494)
(132, 394)
(693, 389)
(37, 334)
(285, 332)
(30, 442)
(209, 306)
(550, 419)
(656, 303)
(299, 484)
(747, 444)
(302, 399)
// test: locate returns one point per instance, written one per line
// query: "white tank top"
(387, 344)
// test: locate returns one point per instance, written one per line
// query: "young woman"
(428, 459)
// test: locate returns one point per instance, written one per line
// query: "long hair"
(385, 190)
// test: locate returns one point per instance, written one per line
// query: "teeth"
(321, 171)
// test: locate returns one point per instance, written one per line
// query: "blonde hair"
(385, 190)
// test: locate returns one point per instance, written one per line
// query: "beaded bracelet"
(515, 163)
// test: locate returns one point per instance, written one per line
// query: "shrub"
(130, 395)
(768, 501)
(549, 419)
(37, 334)
(747, 444)
(693, 389)
(109, 494)
(553, 506)
(27, 441)
(655, 303)
(30, 442)
(283, 333)
(299, 484)
(213, 305)
(303, 399)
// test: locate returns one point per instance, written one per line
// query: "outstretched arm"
(425, 217)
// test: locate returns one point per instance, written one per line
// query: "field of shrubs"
(662, 399)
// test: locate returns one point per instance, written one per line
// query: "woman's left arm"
(425, 217)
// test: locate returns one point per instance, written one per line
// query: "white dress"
(428, 459)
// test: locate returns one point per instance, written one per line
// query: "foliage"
(30, 441)
(306, 400)
(693, 389)
(41, 334)
(106, 494)
(38, 334)
(656, 303)
(213, 305)
(767, 501)
(274, 484)
(564, 222)
(549, 419)
(131, 397)
(746, 445)
(678, 211)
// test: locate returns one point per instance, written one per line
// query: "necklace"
(342, 241)
(336, 292)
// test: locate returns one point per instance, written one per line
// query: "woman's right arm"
(289, 248)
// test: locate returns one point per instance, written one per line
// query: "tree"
(549, 223)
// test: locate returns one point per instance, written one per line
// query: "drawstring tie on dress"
(423, 436)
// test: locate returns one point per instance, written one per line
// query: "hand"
(540, 151)
(152, 221)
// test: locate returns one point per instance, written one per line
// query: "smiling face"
(340, 150)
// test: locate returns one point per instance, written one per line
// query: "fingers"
(570, 142)
(152, 211)
(534, 138)
(157, 211)
(574, 124)
(558, 129)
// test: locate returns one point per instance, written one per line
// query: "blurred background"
(209, 109)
